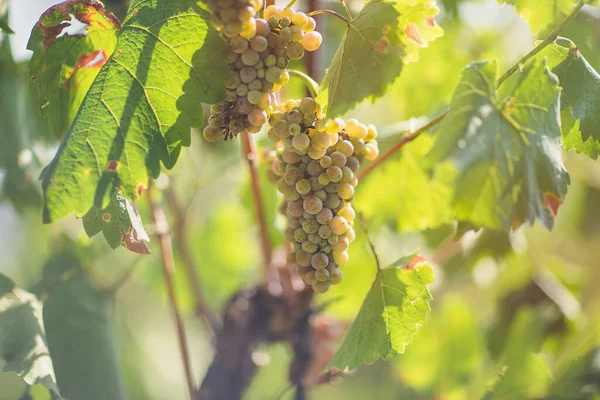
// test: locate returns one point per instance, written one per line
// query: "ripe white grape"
(312, 40)
(313, 205)
(334, 173)
(257, 117)
(338, 225)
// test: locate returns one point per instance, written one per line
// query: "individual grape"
(310, 226)
(347, 212)
(273, 74)
(352, 163)
(312, 40)
(301, 142)
(313, 205)
(303, 258)
(296, 33)
(334, 173)
(324, 179)
(242, 105)
(314, 168)
(309, 247)
(293, 175)
(250, 57)
(350, 234)
(247, 74)
(238, 45)
(242, 90)
(254, 97)
(321, 141)
(322, 275)
(341, 245)
(303, 186)
(345, 147)
(324, 216)
(295, 50)
(335, 276)
(257, 117)
(311, 279)
(338, 159)
(332, 201)
(211, 134)
(340, 257)
(299, 19)
(319, 287)
(260, 44)
(326, 161)
(295, 208)
(346, 191)
(372, 151)
(338, 225)
(311, 24)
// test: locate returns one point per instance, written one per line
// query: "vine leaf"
(370, 56)
(506, 150)
(120, 222)
(580, 95)
(4, 28)
(139, 110)
(70, 43)
(395, 306)
(80, 332)
(22, 337)
(540, 13)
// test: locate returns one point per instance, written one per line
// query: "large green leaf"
(392, 311)
(140, 108)
(22, 337)
(79, 328)
(370, 56)
(120, 222)
(506, 150)
(65, 64)
(540, 13)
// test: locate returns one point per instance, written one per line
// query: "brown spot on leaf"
(32, 79)
(382, 45)
(106, 217)
(140, 189)
(431, 22)
(412, 263)
(112, 166)
(552, 203)
(386, 29)
(53, 180)
(134, 12)
(412, 32)
(93, 60)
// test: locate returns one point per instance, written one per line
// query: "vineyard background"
(531, 296)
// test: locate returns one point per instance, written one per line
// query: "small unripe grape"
(341, 245)
(338, 159)
(332, 201)
(324, 179)
(345, 147)
(324, 216)
(257, 117)
(303, 186)
(338, 225)
(262, 27)
(272, 11)
(334, 173)
(340, 257)
(311, 279)
(350, 234)
(295, 50)
(325, 161)
(324, 231)
(301, 142)
(319, 287)
(372, 151)
(313, 204)
(303, 258)
(314, 168)
(310, 226)
(352, 163)
(295, 208)
(312, 40)
(238, 45)
(347, 212)
(335, 276)
(211, 134)
(310, 25)
(259, 44)
(296, 33)
(346, 191)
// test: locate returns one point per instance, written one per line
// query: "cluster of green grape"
(314, 168)
(234, 17)
(258, 60)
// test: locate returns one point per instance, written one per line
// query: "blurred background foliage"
(519, 313)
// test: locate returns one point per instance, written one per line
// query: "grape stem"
(409, 137)
(346, 9)
(335, 14)
(312, 86)
(249, 152)
(168, 267)
(201, 309)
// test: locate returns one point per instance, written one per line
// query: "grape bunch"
(315, 170)
(234, 17)
(258, 60)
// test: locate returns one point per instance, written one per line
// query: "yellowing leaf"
(417, 26)
(540, 13)
(389, 317)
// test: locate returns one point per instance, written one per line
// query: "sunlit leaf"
(139, 110)
(70, 43)
(391, 313)
(540, 13)
(506, 150)
(4, 28)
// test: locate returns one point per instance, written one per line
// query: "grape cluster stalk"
(315, 169)
(260, 53)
